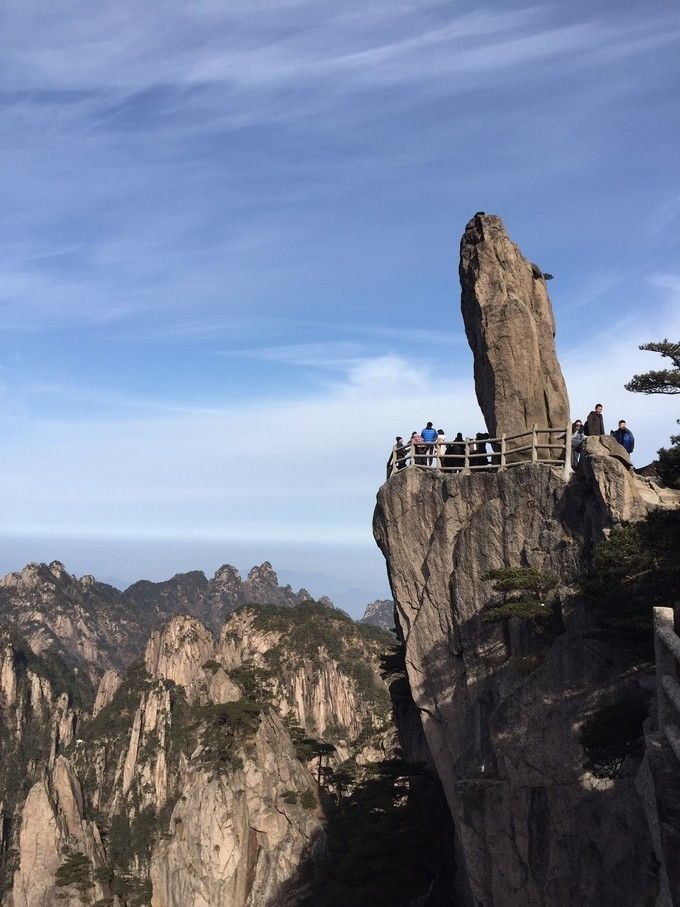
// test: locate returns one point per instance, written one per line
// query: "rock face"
(501, 708)
(234, 839)
(510, 327)
(379, 613)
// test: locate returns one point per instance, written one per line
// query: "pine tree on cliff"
(663, 381)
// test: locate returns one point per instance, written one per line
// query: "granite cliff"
(503, 703)
(194, 777)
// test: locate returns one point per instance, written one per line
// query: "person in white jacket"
(441, 446)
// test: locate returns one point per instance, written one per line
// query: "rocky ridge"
(98, 627)
(379, 613)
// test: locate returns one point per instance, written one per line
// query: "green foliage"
(611, 734)
(113, 720)
(668, 465)
(308, 800)
(525, 591)
(524, 608)
(665, 381)
(634, 569)
(253, 681)
(76, 870)
(212, 666)
(119, 846)
(143, 830)
(224, 727)
(381, 850)
(290, 796)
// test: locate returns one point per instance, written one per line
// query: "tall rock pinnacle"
(510, 327)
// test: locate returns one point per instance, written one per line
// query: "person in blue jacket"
(624, 436)
(429, 436)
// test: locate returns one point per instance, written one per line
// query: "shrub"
(308, 800)
(635, 568)
(669, 463)
(525, 592)
(225, 725)
(611, 734)
(76, 870)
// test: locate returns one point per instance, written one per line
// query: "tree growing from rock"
(524, 591)
(663, 381)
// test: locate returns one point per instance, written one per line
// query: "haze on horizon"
(230, 250)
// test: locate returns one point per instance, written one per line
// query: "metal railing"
(667, 655)
(541, 445)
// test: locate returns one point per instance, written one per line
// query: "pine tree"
(664, 381)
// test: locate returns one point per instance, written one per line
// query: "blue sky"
(229, 256)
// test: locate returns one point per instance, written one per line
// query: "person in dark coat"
(400, 451)
(479, 457)
(624, 436)
(458, 451)
(594, 423)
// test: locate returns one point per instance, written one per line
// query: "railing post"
(466, 456)
(534, 442)
(503, 451)
(665, 664)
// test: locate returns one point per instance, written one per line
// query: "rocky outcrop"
(338, 693)
(379, 613)
(107, 689)
(503, 703)
(501, 706)
(510, 326)
(239, 838)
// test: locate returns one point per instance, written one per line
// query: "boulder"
(510, 327)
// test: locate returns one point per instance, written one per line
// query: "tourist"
(479, 456)
(429, 436)
(458, 451)
(624, 436)
(576, 443)
(399, 452)
(441, 446)
(417, 449)
(594, 423)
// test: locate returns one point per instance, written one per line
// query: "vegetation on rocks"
(612, 734)
(634, 569)
(313, 632)
(372, 825)
(223, 727)
(524, 591)
(663, 381)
